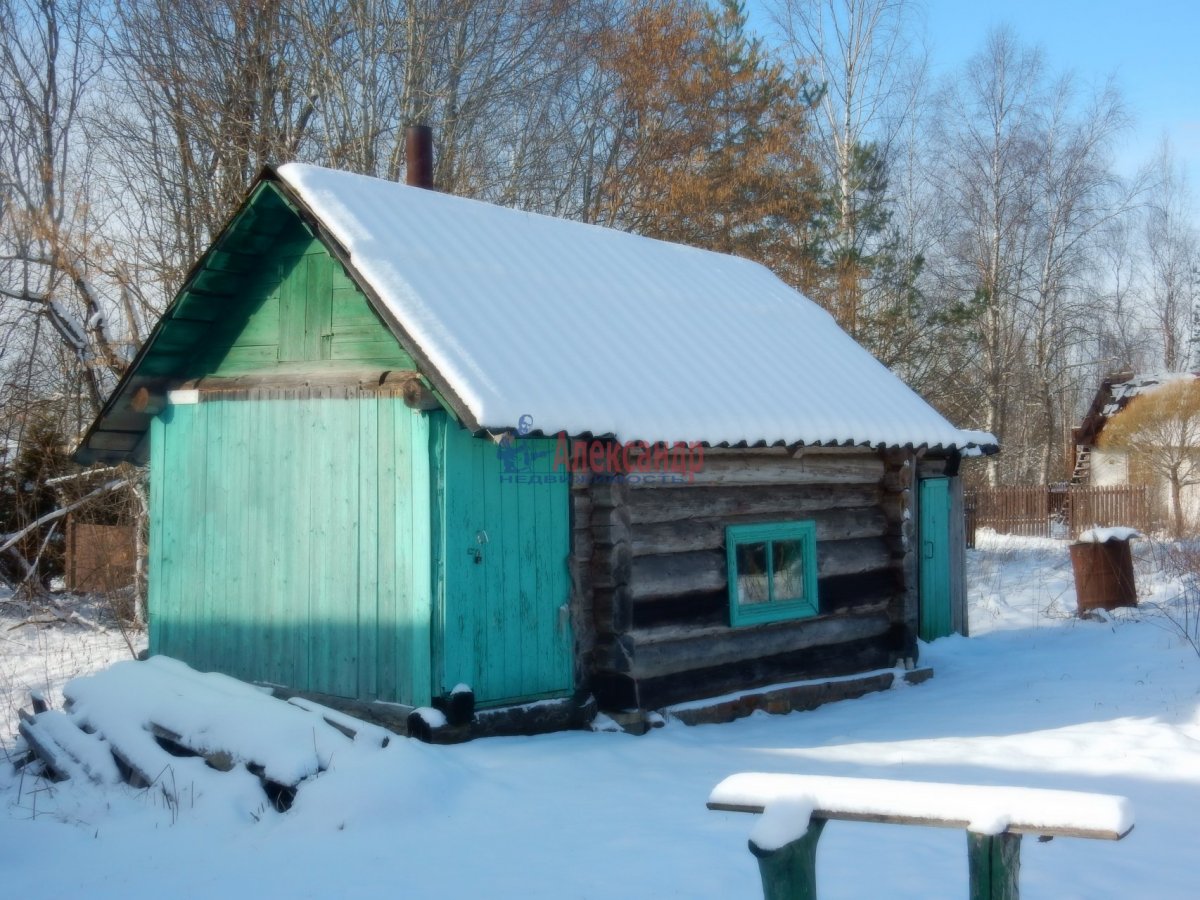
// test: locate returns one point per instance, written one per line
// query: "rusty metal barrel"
(1103, 565)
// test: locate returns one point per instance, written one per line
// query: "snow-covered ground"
(1036, 698)
(38, 652)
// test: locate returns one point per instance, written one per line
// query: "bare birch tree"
(862, 55)
(1171, 246)
(1076, 194)
(52, 253)
(986, 131)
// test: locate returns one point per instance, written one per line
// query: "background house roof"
(593, 330)
(1114, 394)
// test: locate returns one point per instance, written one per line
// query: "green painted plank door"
(504, 586)
(934, 502)
(290, 543)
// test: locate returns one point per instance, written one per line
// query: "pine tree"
(709, 139)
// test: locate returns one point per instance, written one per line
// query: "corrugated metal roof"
(592, 330)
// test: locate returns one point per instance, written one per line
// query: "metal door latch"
(481, 538)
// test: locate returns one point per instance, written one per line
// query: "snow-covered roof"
(592, 330)
(1114, 395)
(1124, 391)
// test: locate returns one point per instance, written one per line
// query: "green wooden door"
(501, 566)
(289, 543)
(934, 564)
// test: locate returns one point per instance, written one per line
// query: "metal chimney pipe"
(418, 145)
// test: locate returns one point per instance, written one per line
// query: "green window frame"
(772, 571)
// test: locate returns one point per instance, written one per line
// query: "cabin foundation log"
(783, 699)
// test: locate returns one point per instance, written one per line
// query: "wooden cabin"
(401, 441)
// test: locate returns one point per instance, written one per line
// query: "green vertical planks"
(297, 305)
(156, 596)
(293, 309)
(420, 556)
(502, 579)
(438, 426)
(368, 550)
(290, 543)
(390, 682)
(415, 552)
(934, 571)
(300, 542)
(318, 329)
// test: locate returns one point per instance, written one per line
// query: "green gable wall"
(290, 543)
(269, 297)
(297, 310)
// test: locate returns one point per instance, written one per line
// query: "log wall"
(652, 610)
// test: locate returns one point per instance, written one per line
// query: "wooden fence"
(1057, 510)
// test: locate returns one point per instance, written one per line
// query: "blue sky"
(1151, 47)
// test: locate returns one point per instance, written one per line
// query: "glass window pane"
(789, 570)
(752, 574)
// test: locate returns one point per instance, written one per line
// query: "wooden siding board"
(155, 596)
(419, 692)
(191, 550)
(318, 321)
(320, 489)
(557, 524)
(293, 308)
(287, 583)
(347, 349)
(402, 515)
(368, 549)
(437, 546)
(390, 639)
(226, 492)
(302, 561)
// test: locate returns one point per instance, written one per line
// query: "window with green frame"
(772, 571)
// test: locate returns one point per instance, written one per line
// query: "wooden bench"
(795, 809)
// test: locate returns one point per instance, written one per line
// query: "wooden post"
(790, 872)
(994, 862)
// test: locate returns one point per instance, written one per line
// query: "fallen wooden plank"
(225, 721)
(354, 728)
(67, 751)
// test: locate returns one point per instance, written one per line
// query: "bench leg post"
(995, 864)
(790, 873)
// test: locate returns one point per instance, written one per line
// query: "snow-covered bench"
(795, 809)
